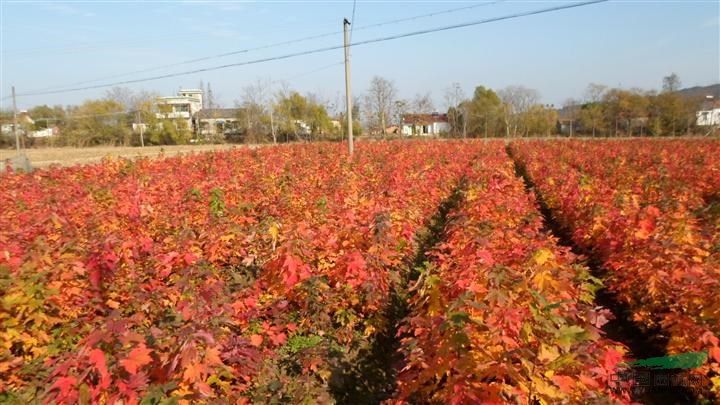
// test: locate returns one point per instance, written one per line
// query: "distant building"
(302, 127)
(710, 114)
(44, 133)
(25, 125)
(181, 107)
(392, 130)
(211, 122)
(568, 122)
(425, 124)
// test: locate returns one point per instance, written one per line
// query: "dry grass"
(43, 157)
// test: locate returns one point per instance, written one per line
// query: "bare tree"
(129, 99)
(400, 108)
(517, 101)
(423, 103)
(379, 102)
(255, 108)
(454, 97)
(571, 108)
(592, 114)
(204, 90)
(595, 92)
(671, 83)
(210, 97)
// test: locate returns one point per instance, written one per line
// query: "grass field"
(69, 156)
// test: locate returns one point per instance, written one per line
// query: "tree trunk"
(382, 125)
(616, 127)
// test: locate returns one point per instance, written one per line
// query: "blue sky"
(618, 43)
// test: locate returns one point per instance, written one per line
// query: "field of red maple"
(223, 275)
(264, 276)
(650, 211)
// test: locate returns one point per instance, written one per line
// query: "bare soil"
(43, 157)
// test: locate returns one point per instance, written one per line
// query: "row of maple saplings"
(626, 251)
(503, 314)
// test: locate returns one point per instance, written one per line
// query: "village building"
(181, 107)
(710, 114)
(213, 122)
(425, 124)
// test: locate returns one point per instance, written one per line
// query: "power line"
(326, 49)
(319, 69)
(271, 45)
(352, 19)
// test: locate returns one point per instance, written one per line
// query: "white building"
(216, 121)
(709, 115)
(181, 107)
(44, 133)
(425, 124)
(25, 123)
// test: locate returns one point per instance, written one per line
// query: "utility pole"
(272, 125)
(348, 96)
(141, 128)
(15, 133)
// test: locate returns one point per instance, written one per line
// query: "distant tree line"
(514, 111)
(284, 115)
(260, 117)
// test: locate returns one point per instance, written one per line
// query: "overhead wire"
(271, 45)
(309, 72)
(352, 19)
(328, 48)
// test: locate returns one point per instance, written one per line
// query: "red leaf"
(97, 358)
(278, 339)
(190, 258)
(653, 211)
(65, 384)
(645, 227)
(291, 276)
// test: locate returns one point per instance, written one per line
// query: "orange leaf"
(589, 382)
(715, 353)
(565, 383)
(137, 358)
(256, 340)
(212, 356)
(193, 372)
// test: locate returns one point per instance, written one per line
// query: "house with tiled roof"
(425, 124)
